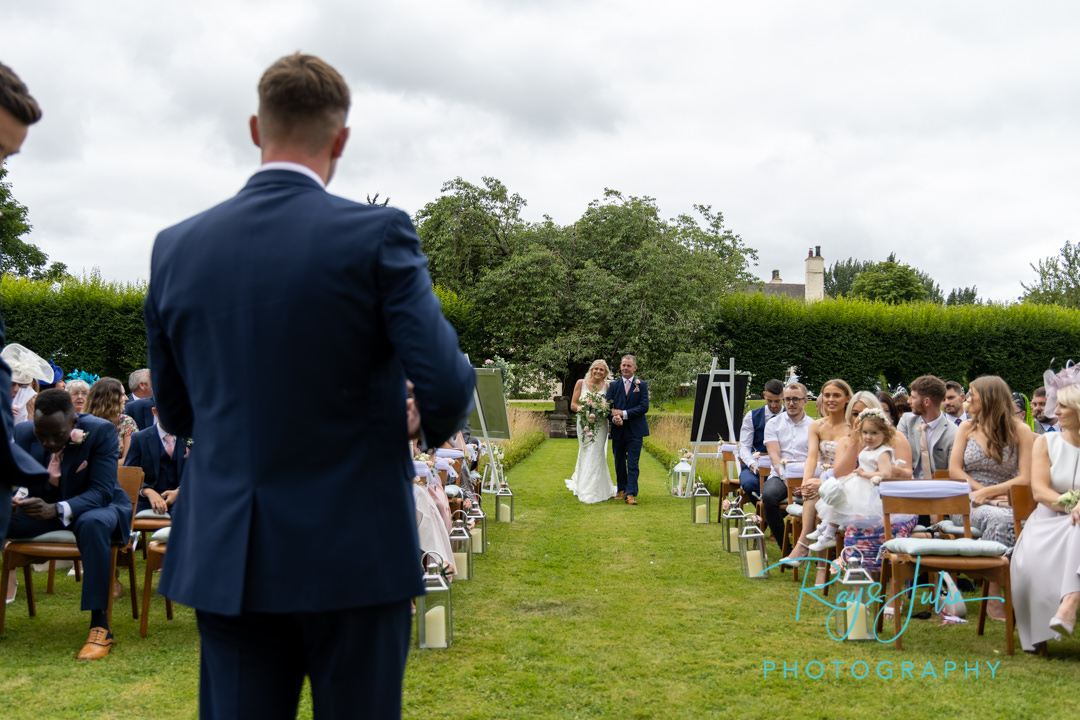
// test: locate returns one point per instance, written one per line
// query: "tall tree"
(840, 276)
(889, 282)
(18, 257)
(620, 279)
(1058, 281)
(964, 296)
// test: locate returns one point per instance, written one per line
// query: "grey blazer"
(940, 445)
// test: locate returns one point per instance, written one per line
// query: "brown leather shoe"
(630, 500)
(117, 590)
(97, 645)
(621, 495)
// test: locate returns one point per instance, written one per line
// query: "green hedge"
(83, 323)
(863, 342)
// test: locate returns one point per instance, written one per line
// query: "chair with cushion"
(976, 558)
(57, 545)
(155, 557)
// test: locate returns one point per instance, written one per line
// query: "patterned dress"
(995, 522)
(126, 427)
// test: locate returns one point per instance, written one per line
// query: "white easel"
(725, 381)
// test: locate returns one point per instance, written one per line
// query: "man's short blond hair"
(302, 100)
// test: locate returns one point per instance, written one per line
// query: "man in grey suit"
(929, 433)
(1042, 424)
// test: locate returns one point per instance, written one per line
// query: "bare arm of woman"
(1025, 440)
(577, 396)
(956, 459)
(1040, 474)
(901, 453)
(847, 454)
(813, 437)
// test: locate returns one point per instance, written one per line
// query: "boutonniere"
(77, 436)
(636, 382)
(188, 442)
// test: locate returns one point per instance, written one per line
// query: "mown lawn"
(580, 611)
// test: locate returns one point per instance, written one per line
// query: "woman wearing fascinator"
(1045, 563)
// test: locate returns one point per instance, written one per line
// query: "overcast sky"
(946, 131)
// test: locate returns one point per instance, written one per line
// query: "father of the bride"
(629, 399)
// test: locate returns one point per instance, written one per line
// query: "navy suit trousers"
(253, 665)
(94, 532)
(750, 483)
(627, 452)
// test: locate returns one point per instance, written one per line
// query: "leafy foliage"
(871, 343)
(18, 257)
(80, 322)
(964, 296)
(889, 282)
(554, 298)
(1059, 279)
(840, 276)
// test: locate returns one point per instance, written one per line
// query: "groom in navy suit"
(268, 536)
(629, 398)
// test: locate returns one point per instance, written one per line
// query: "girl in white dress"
(591, 481)
(854, 499)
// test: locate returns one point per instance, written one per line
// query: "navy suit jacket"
(87, 470)
(636, 404)
(141, 411)
(16, 466)
(245, 298)
(146, 452)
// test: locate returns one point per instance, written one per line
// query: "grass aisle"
(611, 611)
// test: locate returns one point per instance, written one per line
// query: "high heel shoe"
(796, 554)
(1060, 626)
(14, 594)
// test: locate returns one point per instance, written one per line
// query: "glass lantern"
(479, 528)
(461, 546)
(504, 503)
(434, 609)
(701, 504)
(731, 522)
(752, 551)
(680, 478)
(855, 620)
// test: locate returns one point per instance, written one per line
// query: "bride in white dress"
(591, 481)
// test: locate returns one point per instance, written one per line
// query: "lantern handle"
(428, 554)
(465, 515)
(852, 548)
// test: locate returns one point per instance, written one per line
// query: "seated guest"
(139, 385)
(139, 412)
(161, 457)
(28, 371)
(953, 404)
(752, 437)
(78, 389)
(1045, 583)
(888, 405)
(786, 439)
(81, 494)
(903, 403)
(1023, 408)
(929, 434)
(993, 453)
(106, 400)
(434, 537)
(1043, 422)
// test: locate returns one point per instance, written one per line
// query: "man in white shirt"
(752, 436)
(786, 438)
(929, 433)
(953, 404)
(1043, 424)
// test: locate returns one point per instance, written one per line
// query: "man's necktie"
(54, 469)
(927, 471)
(957, 422)
(626, 386)
(170, 444)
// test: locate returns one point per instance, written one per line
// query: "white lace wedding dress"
(591, 481)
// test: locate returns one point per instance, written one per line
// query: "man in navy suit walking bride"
(629, 399)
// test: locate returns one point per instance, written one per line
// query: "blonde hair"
(1069, 396)
(601, 361)
(865, 397)
(878, 420)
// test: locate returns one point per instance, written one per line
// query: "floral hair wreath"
(875, 412)
(1069, 375)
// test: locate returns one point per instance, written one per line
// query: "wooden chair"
(941, 474)
(1023, 504)
(729, 481)
(155, 557)
(792, 528)
(131, 480)
(899, 568)
(56, 545)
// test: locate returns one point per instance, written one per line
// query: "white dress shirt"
(794, 437)
(294, 167)
(746, 437)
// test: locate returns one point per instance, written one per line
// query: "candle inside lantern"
(856, 613)
(504, 512)
(477, 535)
(461, 564)
(753, 563)
(435, 627)
(701, 514)
(733, 538)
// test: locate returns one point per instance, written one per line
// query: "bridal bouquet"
(1068, 500)
(593, 410)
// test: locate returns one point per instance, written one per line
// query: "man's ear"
(340, 138)
(254, 124)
